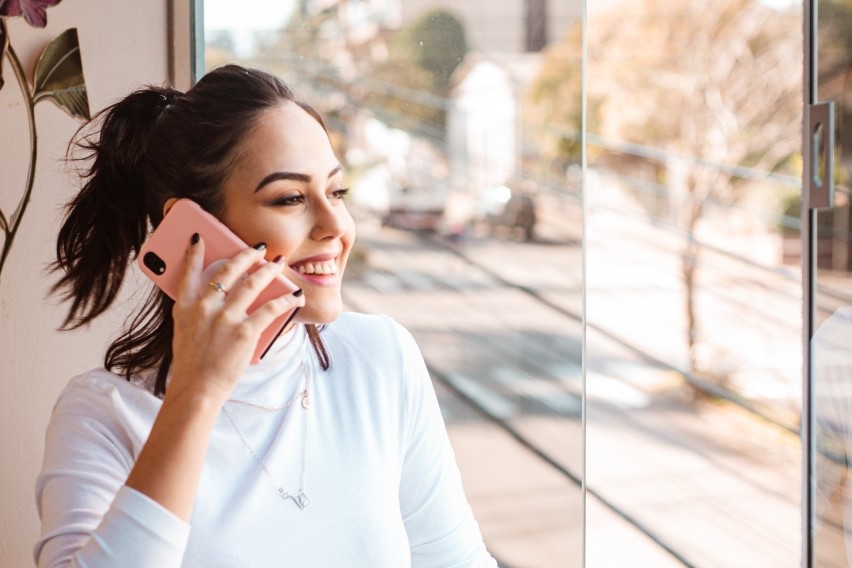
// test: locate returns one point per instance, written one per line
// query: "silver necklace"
(303, 395)
(300, 498)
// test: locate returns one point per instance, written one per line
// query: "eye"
(289, 200)
(340, 193)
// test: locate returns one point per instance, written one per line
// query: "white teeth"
(328, 267)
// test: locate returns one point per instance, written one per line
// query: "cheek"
(349, 223)
(280, 238)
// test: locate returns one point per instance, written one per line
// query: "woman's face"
(285, 190)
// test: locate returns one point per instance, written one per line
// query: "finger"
(235, 269)
(247, 291)
(269, 311)
(188, 288)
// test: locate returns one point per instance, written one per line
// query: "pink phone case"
(162, 260)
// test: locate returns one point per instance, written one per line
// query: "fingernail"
(298, 292)
(278, 259)
(195, 238)
(260, 246)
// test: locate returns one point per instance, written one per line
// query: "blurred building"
(481, 124)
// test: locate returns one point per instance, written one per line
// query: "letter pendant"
(302, 500)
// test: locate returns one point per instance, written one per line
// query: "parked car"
(506, 210)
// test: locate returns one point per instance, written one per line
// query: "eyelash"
(291, 200)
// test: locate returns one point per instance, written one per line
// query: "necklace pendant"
(306, 400)
(302, 500)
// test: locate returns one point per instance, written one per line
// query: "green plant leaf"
(59, 75)
(4, 40)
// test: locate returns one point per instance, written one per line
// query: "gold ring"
(218, 287)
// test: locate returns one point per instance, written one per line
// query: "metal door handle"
(819, 155)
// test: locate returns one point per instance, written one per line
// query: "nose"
(329, 220)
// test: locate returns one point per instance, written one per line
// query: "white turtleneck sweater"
(384, 488)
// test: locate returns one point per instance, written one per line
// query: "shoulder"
(376, 346)
(98, 414)
(100, 393)
(369, 331)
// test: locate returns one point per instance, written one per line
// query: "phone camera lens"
(154, 263)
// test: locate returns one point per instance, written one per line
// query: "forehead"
(287, 138)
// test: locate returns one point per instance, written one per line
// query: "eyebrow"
(304, 178)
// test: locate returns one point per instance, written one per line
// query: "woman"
(329, 452)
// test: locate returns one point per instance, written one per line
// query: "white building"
(481, 125)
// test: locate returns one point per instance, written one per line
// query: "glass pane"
(693, 284)
(458, 124)
(831, 356)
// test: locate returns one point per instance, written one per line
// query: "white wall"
(124, 44)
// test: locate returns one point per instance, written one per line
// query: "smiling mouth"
(328, 267)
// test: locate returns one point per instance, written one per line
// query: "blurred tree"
(398, 93)
(713, 83)
(413, 83)
(835, 43)
(552, 112)
(408, 89)
(435, 42)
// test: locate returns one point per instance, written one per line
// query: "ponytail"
(108, 220)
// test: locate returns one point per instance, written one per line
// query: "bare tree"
(716, 83)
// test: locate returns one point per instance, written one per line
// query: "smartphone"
(162, 259)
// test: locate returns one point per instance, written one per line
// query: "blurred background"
(615, 215)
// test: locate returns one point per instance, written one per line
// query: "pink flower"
(34, 11)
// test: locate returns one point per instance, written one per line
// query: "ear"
(168, 205)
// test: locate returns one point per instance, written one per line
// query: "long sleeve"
(441, 529)
(89, 518)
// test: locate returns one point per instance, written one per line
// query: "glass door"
(828, 281)
(693, 287)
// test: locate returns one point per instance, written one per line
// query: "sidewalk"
(529, 513)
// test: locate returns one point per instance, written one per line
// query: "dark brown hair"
(155, 144)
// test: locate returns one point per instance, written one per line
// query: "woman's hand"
(214, 339)
(213, 343)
